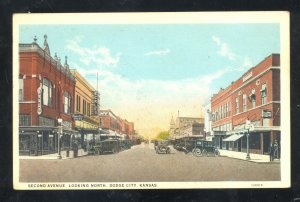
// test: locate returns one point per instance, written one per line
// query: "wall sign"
(39, 107)
(266, 114)
(66, 125)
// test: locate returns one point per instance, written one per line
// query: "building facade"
(183, 126)
(86, 109)
(46, 95)
(116, 126)
(255, 109)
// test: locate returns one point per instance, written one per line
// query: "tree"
(164, 135)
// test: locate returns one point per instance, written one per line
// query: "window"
(236, 105)
(244, 102)
(21, 89)
(89, 109)
(43, 121)
(84, 106)
(78, 103)
(263, 93)
(221, 112)
(47, 92)
(67, 103)
(24, 120)
(252, 98)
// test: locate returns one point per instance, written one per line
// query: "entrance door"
(266, 142)
(239, 142)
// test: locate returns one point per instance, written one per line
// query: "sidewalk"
(54, 156)
(258, 158)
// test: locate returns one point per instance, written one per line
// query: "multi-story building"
(86, 108)
(183, 126)
(115, 126)
(255, 109)
(46, 96)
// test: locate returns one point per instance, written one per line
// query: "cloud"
(158, 52)
(224, 49)
(216, 39)
(101, 56)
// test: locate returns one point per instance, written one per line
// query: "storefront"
(260, 139)
(36, 141)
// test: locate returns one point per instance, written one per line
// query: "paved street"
(141, 163)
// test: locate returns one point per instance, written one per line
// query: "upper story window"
(21, 89)
(84, 106)
(252, 98)
(236, 105)
(47, 92)
(89, 109)
(263, 93)
(221, 112)
(244, 102)
(67, 103)
(78, 103)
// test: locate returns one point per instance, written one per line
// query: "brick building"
(116, 126)
(46, 93)
(250, 105)
(183, 126)
(86, 109)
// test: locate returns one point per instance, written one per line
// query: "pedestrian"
(276, 149)
(271, 152)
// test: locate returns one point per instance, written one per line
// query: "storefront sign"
(39, 107)
(95, 103)
(66, 125)
(266, 114)
(77, 117)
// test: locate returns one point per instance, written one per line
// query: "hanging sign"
(39, 102)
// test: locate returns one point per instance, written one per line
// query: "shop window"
(263, 93)
(254, 141)
(47, 92)
(67, 103)
(21, 89)
(24, 120)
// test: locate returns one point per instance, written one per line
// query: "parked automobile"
(205, 148)
(107, 146)
(162, 147)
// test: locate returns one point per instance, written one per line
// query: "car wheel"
(197, 152)
(114, 150)
(217, 153)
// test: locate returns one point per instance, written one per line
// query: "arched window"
(47, 92)
(67, 103)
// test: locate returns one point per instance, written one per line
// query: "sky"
(149, 72)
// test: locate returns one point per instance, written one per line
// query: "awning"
(233, 137)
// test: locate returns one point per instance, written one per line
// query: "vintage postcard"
(151, 100)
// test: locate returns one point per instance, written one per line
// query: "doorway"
(266, 142)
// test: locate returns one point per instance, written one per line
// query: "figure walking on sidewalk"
(271, 152)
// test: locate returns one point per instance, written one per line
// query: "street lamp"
(247, 135)
(58, 137)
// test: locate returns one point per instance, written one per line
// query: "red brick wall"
(35, 64)
(237, 89)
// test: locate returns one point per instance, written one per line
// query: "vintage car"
(107, 146)
(162, 147)
(205, 148)
(125, 144)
